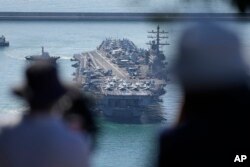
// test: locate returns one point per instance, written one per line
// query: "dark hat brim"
(26, 93)
(20, 91)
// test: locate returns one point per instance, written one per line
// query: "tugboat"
(3, 42)
(43, 56)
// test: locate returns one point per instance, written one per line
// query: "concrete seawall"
(63, 16)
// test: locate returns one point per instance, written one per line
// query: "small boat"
(43, 56)
(3, 41)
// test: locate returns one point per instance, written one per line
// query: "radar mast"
(156, 43)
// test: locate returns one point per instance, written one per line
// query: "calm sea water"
(120, 145)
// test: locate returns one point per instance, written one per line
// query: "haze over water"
(220, 6)
(120, 145)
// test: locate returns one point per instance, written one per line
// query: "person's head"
(209, 58)
(211, 69)
(75, 122)
(42, 87)
(80, 115)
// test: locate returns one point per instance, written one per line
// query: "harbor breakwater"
(71, 16)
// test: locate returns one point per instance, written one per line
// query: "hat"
(209, 58)
(42, 86)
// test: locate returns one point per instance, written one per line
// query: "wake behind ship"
(127, 81)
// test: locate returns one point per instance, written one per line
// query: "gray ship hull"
(127, 116)
(39, 58)
(122, 115)
(130, 109)
(5, 44)
(43, 57)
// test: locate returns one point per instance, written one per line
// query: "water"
(121, 145)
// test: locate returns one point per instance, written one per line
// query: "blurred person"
(42, 139)
(79, 116)
(214, 122)
(242, 5)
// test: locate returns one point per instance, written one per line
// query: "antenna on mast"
(158, 35)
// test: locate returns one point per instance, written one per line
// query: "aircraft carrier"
(126, 80)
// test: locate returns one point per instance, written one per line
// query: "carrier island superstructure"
(126, 80)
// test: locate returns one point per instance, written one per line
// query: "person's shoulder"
(175, 132)
(5, 135)
(6, 130)
(9, 125)
(72, 138)
(77, 145)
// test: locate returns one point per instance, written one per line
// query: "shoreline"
(104, 16)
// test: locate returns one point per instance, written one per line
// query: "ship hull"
(6, 44)
(121, 118)
(142, 116)
(131, 109)
(52, 60)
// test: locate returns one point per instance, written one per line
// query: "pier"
(105, 16)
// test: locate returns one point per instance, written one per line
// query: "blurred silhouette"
(214, 122)
(42, 138)
(42, 88)
(242, 5)
(80, 115)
